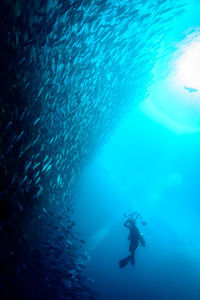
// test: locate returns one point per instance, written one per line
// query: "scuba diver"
(134, 237)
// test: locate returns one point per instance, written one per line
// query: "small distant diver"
(190, 89)
(134, 237)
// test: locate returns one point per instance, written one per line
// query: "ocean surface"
(99, 118)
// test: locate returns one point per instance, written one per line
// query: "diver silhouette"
(134, 237)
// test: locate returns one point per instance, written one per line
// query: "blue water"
(150, 165)
(99, 117)
(148, 168)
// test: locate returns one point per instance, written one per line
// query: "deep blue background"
(150, 165)
(148, 168)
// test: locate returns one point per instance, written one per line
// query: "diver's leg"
(131, 246)
(133, 258)
(133, 254)
(132, 250)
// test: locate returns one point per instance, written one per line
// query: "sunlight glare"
(188, 68)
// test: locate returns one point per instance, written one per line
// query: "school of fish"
(70, 71)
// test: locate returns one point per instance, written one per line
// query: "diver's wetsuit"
(134, 238)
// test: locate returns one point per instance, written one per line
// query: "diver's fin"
(124, 261)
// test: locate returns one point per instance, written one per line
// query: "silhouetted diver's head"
(134, 216)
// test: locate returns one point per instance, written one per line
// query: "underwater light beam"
(174, 102)
(188, 68)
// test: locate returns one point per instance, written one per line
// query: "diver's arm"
(126, 224)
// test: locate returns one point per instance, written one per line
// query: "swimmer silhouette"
(134, 238)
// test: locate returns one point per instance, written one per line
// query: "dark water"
(99, 116)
